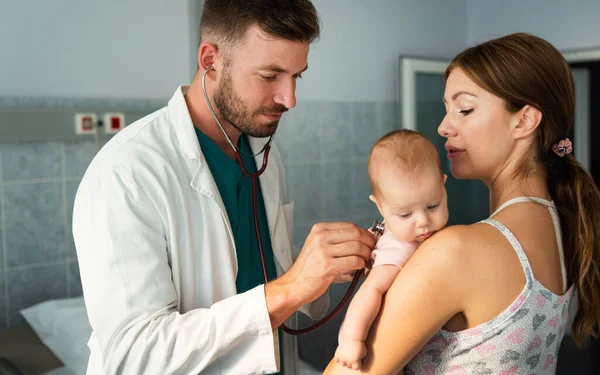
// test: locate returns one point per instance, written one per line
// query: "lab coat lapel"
(202, 179)
(270, 186)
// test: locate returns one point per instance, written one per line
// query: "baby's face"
(415, 205)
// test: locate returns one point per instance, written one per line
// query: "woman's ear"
(527, 120)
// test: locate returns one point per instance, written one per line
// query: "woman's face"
(477, 127)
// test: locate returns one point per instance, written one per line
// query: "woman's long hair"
(524, 70)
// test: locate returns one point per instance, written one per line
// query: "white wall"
(144, 48)
(84, 48)
(356, 58)
(568, 25)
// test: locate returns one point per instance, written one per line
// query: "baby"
(408, 189)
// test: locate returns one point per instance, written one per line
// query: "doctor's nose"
(286, 95)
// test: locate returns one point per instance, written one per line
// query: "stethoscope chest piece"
(377, 228)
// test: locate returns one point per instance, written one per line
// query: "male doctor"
(163, 220)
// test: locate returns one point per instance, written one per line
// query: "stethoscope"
(377, 227)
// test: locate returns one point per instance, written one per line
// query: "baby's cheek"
(402, 231)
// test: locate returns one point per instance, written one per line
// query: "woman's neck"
(505, 188)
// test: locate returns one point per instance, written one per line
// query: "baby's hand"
(350, 352)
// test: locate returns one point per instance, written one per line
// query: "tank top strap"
(517, 247)
(510, 202)
(555, 221)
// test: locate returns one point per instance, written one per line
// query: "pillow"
(63, 326)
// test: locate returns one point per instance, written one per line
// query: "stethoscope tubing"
(254, 177)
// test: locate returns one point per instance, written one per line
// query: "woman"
(493, 297)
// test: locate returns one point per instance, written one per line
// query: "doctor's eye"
(268, 78)
(465, 112)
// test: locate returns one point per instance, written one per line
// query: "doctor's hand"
(331, 252)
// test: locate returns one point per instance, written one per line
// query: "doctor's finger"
(344, 265)
(350, 232)
(331, 225)
(350, 248)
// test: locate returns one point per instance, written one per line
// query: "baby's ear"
(373, 199)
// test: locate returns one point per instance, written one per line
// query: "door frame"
(581, 127)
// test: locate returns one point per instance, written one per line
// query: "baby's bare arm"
(366, 303)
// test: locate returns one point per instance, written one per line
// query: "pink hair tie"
(563, 147)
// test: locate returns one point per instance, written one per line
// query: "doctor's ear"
(208, 55)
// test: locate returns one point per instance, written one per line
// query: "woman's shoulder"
(462, 238)
(459, 246)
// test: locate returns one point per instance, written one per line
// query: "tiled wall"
(37, 187)
(324, 146)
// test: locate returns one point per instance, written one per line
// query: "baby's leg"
(361, 313)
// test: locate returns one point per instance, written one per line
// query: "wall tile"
(361, 190)
(35, 223)
(366, 131)
(298, 135)
(337, 190)
(73, 279)
(25, 161)
(304, 184)
(301, 231)
(386, 114)
(71, 187)
(337, 131)
(78, 156)
(3, 322)
(117, 104)
(29, 286)
(2, 252)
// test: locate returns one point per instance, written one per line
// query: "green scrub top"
(236, 192)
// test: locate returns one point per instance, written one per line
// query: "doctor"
(163, 221)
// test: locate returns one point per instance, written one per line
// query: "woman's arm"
(424, 296)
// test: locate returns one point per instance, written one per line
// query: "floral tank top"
(523, 339)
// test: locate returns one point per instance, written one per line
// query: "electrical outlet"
(113, 122)
(86, 123)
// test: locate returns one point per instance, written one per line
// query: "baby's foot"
(349, 353)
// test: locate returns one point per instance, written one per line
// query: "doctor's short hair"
(402, 151)
(225, 22)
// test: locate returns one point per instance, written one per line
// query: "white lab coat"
(158, 262)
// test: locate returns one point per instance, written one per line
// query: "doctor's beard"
(235, 112)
